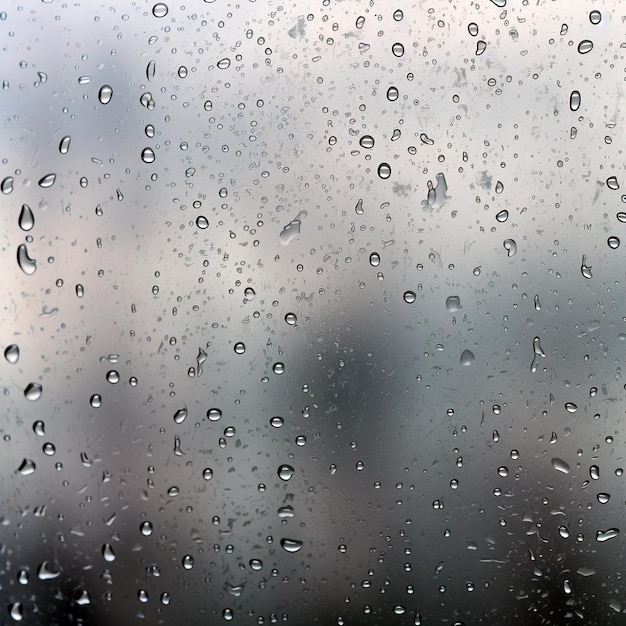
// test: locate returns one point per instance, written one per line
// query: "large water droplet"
(367, 142)
(398, 15)
(384, 170)
(397, 49)
(613, 242)
(95, 401)
(27, 467)
(453, 303)
(574, 100)
(207, 473)
(560, 465)
(291, 319)
(409, 297)
(12, 353)
(291, 230)
(146, 528)
(26, 264)
(239, 347)
(374, 259)
(585, 46)
(605, 535)
(570, 407)
(160, 9)
(33, 392)
(223, 64)
(147, 155)
(392, 94)
(105, 94)
(510, 246)
(472, 29)
(47, 181)
(502, 216)
(285, 472)
(467, 357)
(45, 571)
(214, 414)
(180, 416)
(595, 17)
(256, 564)
(611, 183)
(187, 561)
(291, 545)
(6, 186)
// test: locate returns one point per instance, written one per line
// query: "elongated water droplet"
(291, 230)
(499, 187)
(359, 22)
(510, 246)
(187, 561)
(585, 269)
(151, 70)
(605, 535)
(47, 181)
(574, 100)
(291, 545)
(481, 46)
(33, 392)
(64, 144)
(560, 465)
(570, 407)
(12, 353)
(374, 259)
(180, 416)
(26, 220)
(80, 291)
(147, 155)
(223, 64)
(105, 94)
(207, 473)
(108, 553)
(585, 46)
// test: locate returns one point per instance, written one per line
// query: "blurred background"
(312, 313)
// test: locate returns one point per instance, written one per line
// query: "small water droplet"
(147, 155)
(510, 246)
(467, 357)
(384, 170)
(291, 545)
(160, 9)
(12, 353)
(285, 472)
(560, 465)
(367, 142)
(585, 46)
(105, 94)
(146, 528)
(207, 473)
(64, 144)
(33, 392)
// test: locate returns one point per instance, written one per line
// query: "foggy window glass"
(312, 312)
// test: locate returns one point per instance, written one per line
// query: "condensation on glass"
(312, 313)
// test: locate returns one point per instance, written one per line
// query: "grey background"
(397, 496)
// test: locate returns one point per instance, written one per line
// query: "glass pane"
(312, 313)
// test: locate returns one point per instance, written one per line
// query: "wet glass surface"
(312, 313)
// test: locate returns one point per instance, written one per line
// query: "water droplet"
(481, 46)
(278, 368)
(472, 29)
(594, 472)
(160, 9)
(605, 535)
(208, 105)
(202, 222)
(585, 269)
(510, 246)
(453, 303)
(291, 230)
(187, 561)
(228, 614)
(374, 259)
(49, 449)
(223, 64)
(367, 142)
(23, 577)
(95, 401)
(240, 347)
(105, 94)
(151, 70)
(595, 17)
(142, 595)
(585, 46)
(12, 353)
(6, 186)
(256, 564)
(611, 183)
(33, 392)
(291, 545)
(146, 528)
(207, 473)
(603, 498)
(570, 407)
(165, 598)
(80, 290)
(64, 144)
(392, 94)
(398, 15)
(108, 553)
(574, 100)
(384, 170)
(476, 271)
(39, 428)
(147, 155)
(499, 187)
(277, 421)
(291, 319)
(182, 72)
(285, 472)
(467, 357)
(502, 216)
(180, 416)
(560, 465)
(27, 467)
(47, 181)
(173, 491)
(360, 21)
(214, 415)
(397, 49)
(113, 377)
(146, 100)
(409, 297)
